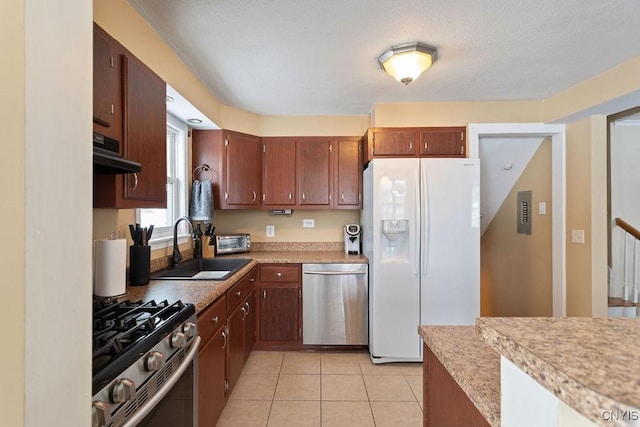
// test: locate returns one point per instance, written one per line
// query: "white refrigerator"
(421, 234)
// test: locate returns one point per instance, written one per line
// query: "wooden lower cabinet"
(212, 371)
(212, 395)
(444, 402)
(227, 340)
(279, 306)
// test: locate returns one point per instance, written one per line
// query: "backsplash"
(297, 246)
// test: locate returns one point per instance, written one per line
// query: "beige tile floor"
(324, 389)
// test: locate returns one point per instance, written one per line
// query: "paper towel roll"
(110, 267)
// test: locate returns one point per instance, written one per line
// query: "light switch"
(542, 208)
(308, 223)
(577, 236)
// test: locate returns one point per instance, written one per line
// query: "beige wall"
(516, 275)
(455, 113)
(586, 210)
(328, 225)
(12, 174)
(617, 87)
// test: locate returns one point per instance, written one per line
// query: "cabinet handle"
(238, 294)
(243, 311)
(425, 146)
(113, 110)
(279, 274)
(247, 305)
(254, 196)
(410, 145)
(251, 279)
(224, 335)
(289, 195)
(462, 150)
(304, 197)
(342, 197)
(215, 319)
(264, 197)
(135, 181)
(226, 196)
(264, 294)
(461, 136)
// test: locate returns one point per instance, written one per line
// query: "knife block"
(139, 265)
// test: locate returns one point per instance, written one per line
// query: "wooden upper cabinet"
(443, 142)
(313, 171)
(107, 96)
(347, 181)
(278, 172)
(145, 133)
(241, 171)
(129, 106)
(394, 142)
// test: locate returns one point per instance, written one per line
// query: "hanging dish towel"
(201, 206)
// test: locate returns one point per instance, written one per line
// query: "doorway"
(556, 135)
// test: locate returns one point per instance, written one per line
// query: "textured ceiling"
(320, 57)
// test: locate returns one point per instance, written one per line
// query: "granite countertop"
(471, 363)
(590, 364)
(201, 293)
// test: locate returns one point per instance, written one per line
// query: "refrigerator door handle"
(424, 217)
(418, 212)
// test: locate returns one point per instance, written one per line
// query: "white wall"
(58, 203)
(625, 200)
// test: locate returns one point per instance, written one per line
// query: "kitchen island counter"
(589, 364)
(474, 366)
(202, 293)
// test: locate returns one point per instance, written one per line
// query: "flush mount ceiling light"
(194, 121)
(406, 62)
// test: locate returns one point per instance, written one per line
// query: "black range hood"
(107, 159)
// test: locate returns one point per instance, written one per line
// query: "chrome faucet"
(176, 257)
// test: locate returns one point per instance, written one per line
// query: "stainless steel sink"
(202, 269)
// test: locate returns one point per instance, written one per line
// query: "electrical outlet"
(577, 236)
(308, 223)
(271, 231)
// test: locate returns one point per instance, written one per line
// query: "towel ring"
(202, 168)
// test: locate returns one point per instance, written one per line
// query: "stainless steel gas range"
(145, 357)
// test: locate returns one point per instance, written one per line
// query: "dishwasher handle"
(336, 273)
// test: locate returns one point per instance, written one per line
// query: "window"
(163, 219)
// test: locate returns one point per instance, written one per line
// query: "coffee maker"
(352, 239)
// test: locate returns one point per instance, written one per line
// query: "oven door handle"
(151, 403)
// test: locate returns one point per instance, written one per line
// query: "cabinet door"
(145, 133)
(211, 379)
(103, 80)
(394, 143)
(443, 142)
(235, 345)
(313, 171)
(242, 171)
(280, 312)
(107, 94)
(347, 181)
(278, 172)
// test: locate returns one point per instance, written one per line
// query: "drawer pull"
(215, 319)
(238, 294)
(279, 274)
(224, 335)
(252, 279)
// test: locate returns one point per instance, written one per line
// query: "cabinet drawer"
(212, 318)
(238, 292)
(280, 273)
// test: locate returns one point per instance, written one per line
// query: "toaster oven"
(231, 243)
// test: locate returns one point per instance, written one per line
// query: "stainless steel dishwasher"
(335, 304)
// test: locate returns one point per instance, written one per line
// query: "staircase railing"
(633, 233)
